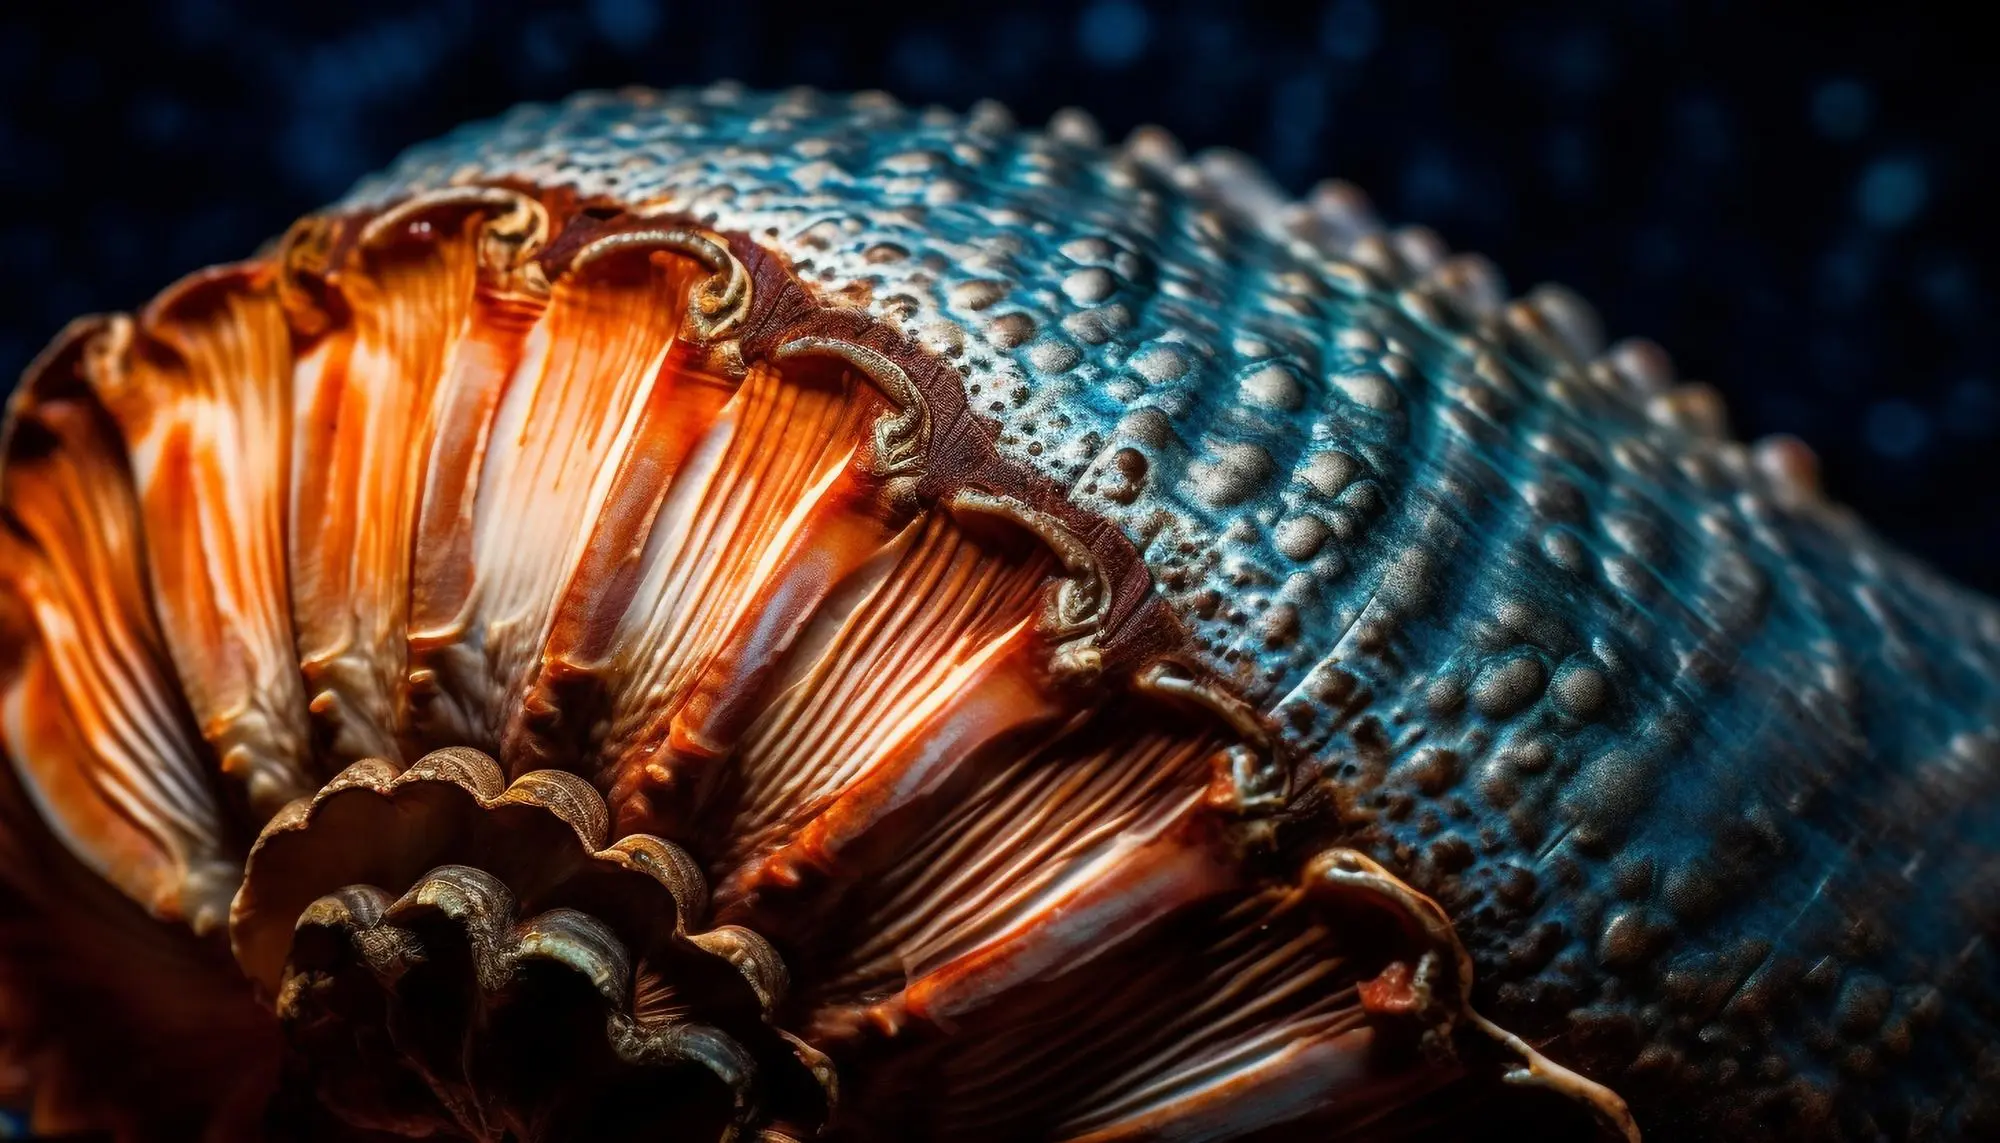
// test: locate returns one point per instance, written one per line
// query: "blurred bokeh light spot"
(1897, 429)
(1972, 409)
(1113, 33)
(1842, 109)
(922, 62)
(1893, 191)
(627, 25)
(1350, 30)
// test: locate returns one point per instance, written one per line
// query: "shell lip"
(433, 910)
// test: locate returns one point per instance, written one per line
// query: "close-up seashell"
(710, 615)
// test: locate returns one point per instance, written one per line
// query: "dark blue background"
(1798, 202)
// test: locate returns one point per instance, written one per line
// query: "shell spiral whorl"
(711, 615)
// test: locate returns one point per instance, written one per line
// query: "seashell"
(706, 615)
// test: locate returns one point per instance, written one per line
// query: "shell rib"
(708, 615)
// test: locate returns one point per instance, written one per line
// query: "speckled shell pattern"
(1703, 772)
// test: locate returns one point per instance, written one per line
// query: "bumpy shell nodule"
(709, 615)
